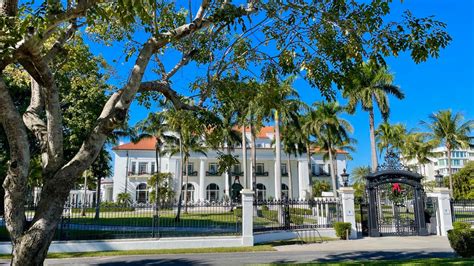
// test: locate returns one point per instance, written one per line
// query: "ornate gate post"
(420, 212)
(373, 223)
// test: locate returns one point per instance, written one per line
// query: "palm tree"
(280, 101)
(189, 130)
(293, 144)
(154, 126)
(447, 128)
(417, 147)
(331, 130)
(370, 85)
(390, 137)
(225, 135)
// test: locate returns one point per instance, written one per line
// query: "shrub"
(319, 187)
(238, 212)
(270, 215)
(341, 228)
(462, 241)
(295, 219)
(299, 211)
(264, 208)
(461, 226)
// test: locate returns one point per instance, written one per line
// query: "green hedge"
(461, 239)
(238, 212)
(298, 211)
(273, 216)
(341, 228)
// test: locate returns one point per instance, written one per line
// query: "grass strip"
(153, 252)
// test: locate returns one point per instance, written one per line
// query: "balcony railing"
(193, 173)
(262, 173)
(212, 173)
(140, 173)
(237, 173)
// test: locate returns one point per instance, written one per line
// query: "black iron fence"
(144, 221)
(271, 215)
(463, 211)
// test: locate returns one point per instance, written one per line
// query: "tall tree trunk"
(229, 177)
(125, 190)
(290, 178)
(97, 198)
(333, 175)
(336, 170)
(84, 198)
(372, 141)
(310, 173)
(278, 157)
(180, 181)
(157, 175)
(186, 169)
(253, 158)
(244, 158)
(448, 147)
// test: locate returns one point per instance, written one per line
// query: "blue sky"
(443, 83)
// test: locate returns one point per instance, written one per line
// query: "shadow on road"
(376, 255)
(177, 261)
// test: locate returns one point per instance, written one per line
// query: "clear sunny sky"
(443, 83)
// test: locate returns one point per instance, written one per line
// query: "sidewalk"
(374, 244)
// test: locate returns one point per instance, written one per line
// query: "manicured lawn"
(155, 252)
(432, 261)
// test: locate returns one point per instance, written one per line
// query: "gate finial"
(392, 162)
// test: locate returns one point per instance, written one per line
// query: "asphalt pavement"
(332, 251)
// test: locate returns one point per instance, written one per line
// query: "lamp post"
(345, 177)
(439, 179)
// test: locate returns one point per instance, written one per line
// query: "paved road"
(363, 249)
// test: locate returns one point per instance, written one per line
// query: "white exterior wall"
(299, 169)
(441, 162)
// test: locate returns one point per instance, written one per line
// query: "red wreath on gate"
(396, 188)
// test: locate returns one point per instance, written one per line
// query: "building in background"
(459, 158)
(134, 163)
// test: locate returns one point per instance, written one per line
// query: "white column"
(443, 215)
(348, 213)
(202, 183)
(303, 181)
(247, 217)
(226, 182)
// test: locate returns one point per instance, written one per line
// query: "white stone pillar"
(443, 215)
(303, 179)
(348, 212)
(202, 183)
(247, 217)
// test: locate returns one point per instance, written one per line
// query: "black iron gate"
(395, 201)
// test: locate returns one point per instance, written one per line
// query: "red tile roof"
(143, 144)
(149, 143)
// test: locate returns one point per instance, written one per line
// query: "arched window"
(261, 192)
(190, 195)
(142, 193)
(284, 190)
(212, 192)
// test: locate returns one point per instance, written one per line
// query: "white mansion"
(135, 162)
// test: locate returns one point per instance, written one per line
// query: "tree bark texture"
(277, 158)
(372, 141)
